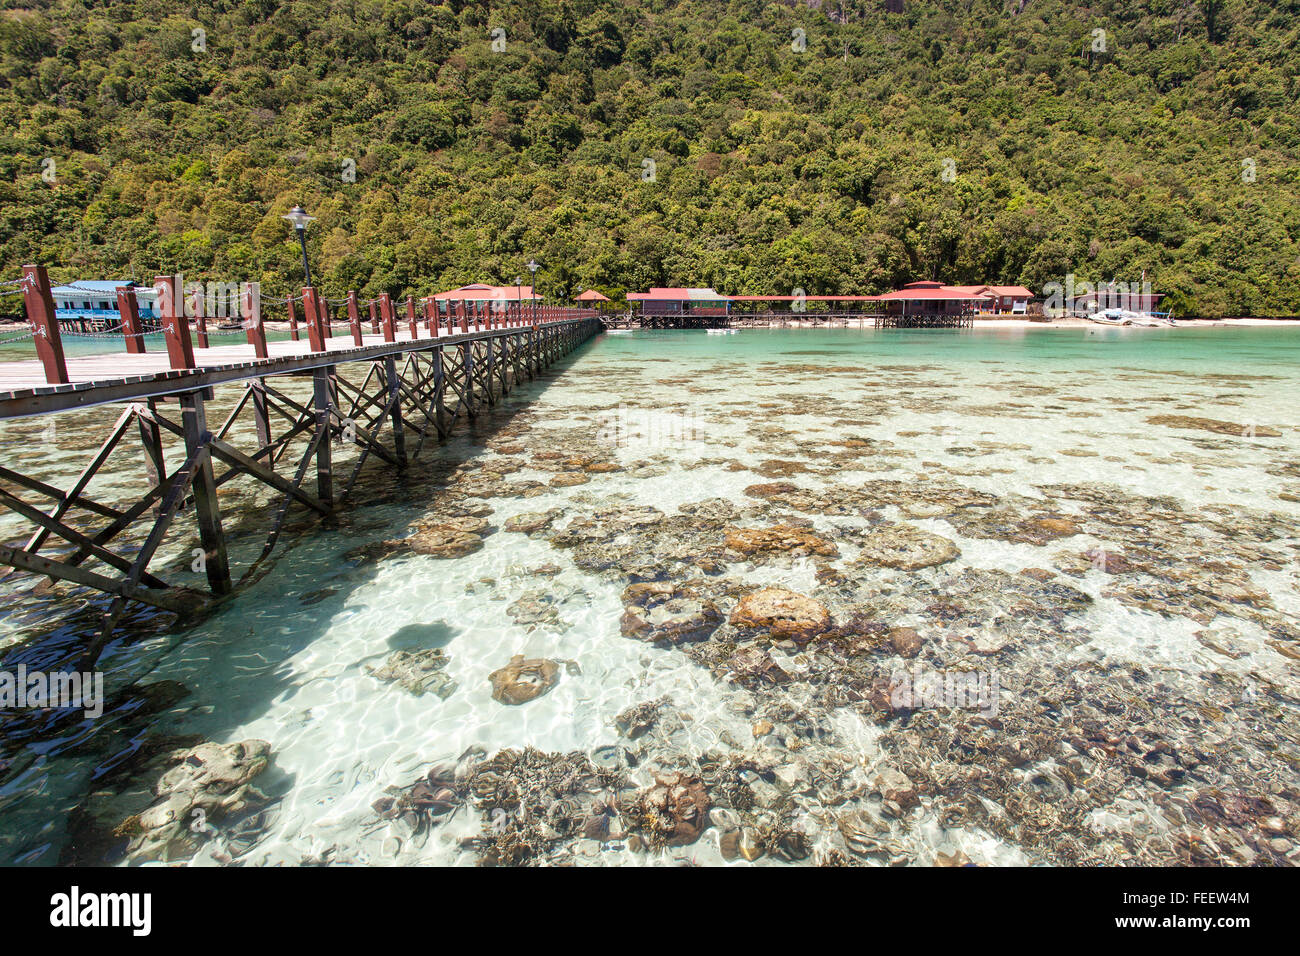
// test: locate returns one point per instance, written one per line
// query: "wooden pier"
(386, 390)
(925, 320)
(743, 320)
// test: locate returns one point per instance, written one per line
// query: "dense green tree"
(755, 145)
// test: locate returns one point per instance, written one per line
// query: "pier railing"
(183, 323)
(384, 394)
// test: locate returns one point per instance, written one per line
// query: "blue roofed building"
(96, 300)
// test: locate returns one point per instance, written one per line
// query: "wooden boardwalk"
(384, 396)
(120, 376)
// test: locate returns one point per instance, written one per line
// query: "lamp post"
(533, 267)
(316, 328)
(299, 218)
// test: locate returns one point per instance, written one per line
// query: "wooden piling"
(431, 315)
(410, 317)
(176, 329)
(44, 324)
(206, 510)
(354, 318)
(395, 416)
(250, 308)
(128, 308)
(200, 318)
(321, 394)
(311, 308)
(389, 320)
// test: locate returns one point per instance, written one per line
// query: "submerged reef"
(1060, 751)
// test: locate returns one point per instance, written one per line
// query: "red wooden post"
(129, 309)
(324, 316)
(45, 325)
(293, 319)
(176, 329)
(374, 316)
(431, 315)
(464, 316)
(200, 319)
(310, 306)
(390, 321)
(354, 318)
(250, 307)
(410, 317)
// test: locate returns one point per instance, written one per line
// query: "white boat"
(721, 331)
(1149, 320)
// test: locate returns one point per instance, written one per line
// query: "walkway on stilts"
(386, 390)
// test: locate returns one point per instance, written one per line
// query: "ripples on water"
(1155, 724)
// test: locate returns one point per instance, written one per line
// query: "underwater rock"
(783, 614)
(443, 541)
(1007, 524)
(523, 680)
(779, 539)
(567, 479)
(639, 719)
(534, 608)
(672, 812)
(531, 521)
(1214, 425)
(207, 783)
(656, 611)
(768, 490)
(905, 547)
(1038, 574)
(436, 793)
(956, 858)
(780, 469)
(896, 788)
(417, 672)
(532, 801)
(751, 665)
(905, 640)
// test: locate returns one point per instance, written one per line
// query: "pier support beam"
(394, 397)
(207, 513)
(324, 449)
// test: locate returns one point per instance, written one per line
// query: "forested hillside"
(964, 140)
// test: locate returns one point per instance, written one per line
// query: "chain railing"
(426, 316)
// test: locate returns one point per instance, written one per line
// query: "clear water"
(286, 661)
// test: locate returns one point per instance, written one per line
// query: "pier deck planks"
(94, 379)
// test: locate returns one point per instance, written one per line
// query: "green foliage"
(964, 140)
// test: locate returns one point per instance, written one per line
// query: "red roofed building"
(482, 292)
(935, 298)
(680, 302)
(1009, 298)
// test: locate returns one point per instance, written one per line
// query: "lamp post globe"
(298, 218)
(533, 266)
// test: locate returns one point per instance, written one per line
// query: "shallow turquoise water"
(286, 661)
